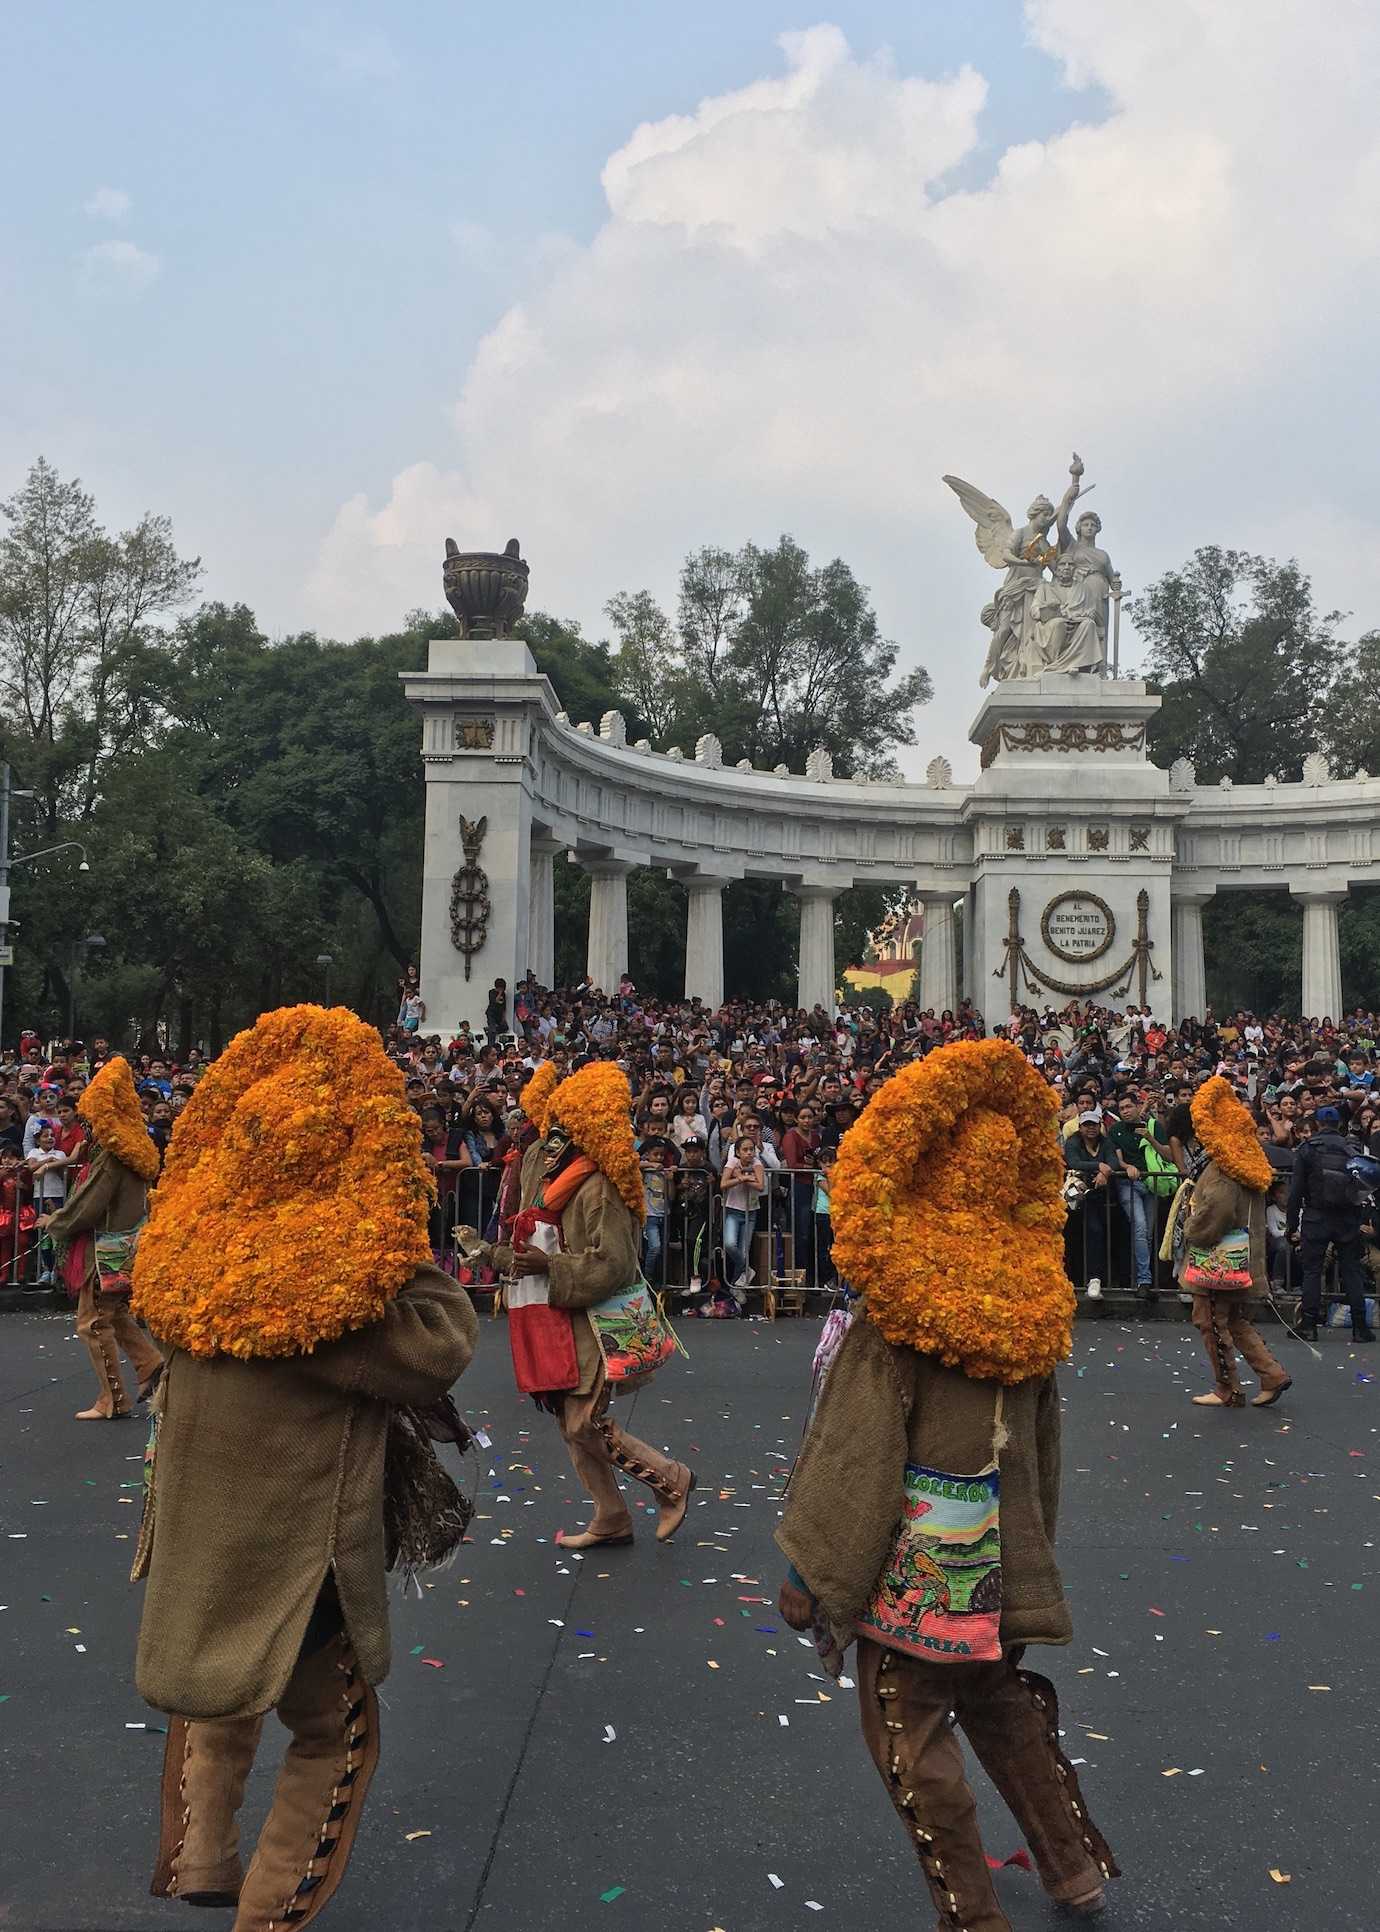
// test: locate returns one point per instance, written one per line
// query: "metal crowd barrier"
(26, 1258)
(1099, 1246)
(781, 1250)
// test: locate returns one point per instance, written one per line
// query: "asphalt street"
(637, 1742)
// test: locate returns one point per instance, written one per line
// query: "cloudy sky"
(328, 285)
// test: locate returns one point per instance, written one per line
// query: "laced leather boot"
(205, 1768)
(306, 1840)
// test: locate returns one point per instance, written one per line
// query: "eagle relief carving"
(469, 894)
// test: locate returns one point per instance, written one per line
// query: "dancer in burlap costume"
(1229, 1196)
(947, 1216)
(286, 1268)
(113, 1198)
(579, 1229)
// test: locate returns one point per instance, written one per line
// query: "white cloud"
(108, 204)
(119, 266)
(786, 323)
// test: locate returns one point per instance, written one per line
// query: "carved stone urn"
(486, 589)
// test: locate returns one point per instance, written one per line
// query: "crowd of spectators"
(738, 1113)
(43, 1143)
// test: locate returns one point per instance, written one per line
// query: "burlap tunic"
(1221, 1204)
(269, 1474)
(111, 1196)
(883, 1407)
(601, 1238)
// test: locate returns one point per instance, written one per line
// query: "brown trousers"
(598, 1446)
(1221, 1320)
(106, 1326)
(1011, 1719)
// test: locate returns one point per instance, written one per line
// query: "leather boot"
(670, 1482)
(1011, 1719)
(205, 1767)
(904, 1707)
(305, 1844)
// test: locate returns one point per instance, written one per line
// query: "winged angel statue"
(1038, 624)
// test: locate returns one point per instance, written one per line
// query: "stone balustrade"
(1068, 814)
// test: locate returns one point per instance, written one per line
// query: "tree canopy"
(252, 806)
(1245, 664)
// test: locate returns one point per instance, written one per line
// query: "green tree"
(1245, 663)
(771, 655)
(1350, 730)
(1253, 952)
(644, 662)
(82, 649)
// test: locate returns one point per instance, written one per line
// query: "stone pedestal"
(479, 702)
(1073, 848)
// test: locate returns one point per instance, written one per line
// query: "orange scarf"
(556, 1193)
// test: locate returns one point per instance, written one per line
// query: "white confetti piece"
(784, 1721)
(610, 1735)
(777, 1883)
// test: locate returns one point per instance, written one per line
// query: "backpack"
(1335, 1189)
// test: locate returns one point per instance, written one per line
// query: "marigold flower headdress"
(110, 1108)
(294, 1198)
(948, 1213)
(1227, 1132)
(595, 1108)
(535, 1097)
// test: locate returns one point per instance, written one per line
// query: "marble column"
(1322, 960)
(817, 985)
(1188, 972)
(541, 920)
(938, 975)
(704, 942)
(607, 959)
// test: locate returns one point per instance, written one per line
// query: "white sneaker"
(1094, 1289)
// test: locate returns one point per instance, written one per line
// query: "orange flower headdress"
(535, 1097)
(948, 1214)
(110, 1108)
(1228, 1135)
(595, 1108)
(294, 1198)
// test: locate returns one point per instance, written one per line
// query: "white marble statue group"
(1043, 622)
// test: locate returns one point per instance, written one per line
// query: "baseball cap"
(1329, 1117)
(1090, 1119)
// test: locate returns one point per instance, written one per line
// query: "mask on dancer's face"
(557, 1145)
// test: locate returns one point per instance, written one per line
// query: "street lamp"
(325, 961)
(92, 941)
(7, 864)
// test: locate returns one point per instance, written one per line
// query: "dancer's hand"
(797, 1607)
(530, 1261)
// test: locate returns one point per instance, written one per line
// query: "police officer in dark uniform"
(1325, 1207)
